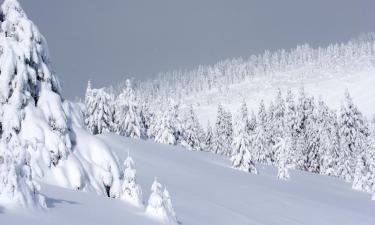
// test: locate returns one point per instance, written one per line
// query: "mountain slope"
(205, 190)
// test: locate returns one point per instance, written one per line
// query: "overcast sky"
(108, 40)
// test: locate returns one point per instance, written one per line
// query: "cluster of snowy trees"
(299, 133)
(159, 204)
(301, 62)
(308, 135)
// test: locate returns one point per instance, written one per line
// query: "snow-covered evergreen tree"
(127, 118)
(99, 110)
(16, 183)
(276, 128)
(34, 113)
(168, 127)
(27, 80)
(209, 138)
(157, 207)
(167, 201)
(242, 155)
(282, 154)
(131, 191)
(353, 136)
(329, 140)
(262, 152)
(165, 130)
(223, 132)
(193, 134)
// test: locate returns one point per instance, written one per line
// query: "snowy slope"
(329, 87)
(205, 190)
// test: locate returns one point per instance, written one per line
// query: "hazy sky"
(108, 40)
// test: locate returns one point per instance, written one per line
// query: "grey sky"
(108, 40)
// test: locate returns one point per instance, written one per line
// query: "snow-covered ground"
(205, 190)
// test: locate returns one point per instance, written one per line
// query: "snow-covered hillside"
(205, 190)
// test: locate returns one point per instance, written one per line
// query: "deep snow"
(205, 190)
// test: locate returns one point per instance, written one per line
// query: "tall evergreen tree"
(242, 155)
(99, 115)
(209, 138)
(193, 133)
(223, 132)
(353, 136)
(262, 152)
(127, 117)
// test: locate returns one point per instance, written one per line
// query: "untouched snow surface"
(205, 190)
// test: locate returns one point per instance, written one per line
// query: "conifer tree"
(282, 154)
(193, 134)
(127, 115)
(223, 132)
(159, 205)
(242, 155)
(209, 138)
(16, 182)
(99, 115)
(131, 191)
(169, 207)
(260, 144)
(353, 136)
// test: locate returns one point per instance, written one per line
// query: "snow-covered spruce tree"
(329, 140)
(282, 154)
(223, 132)
(192, 137)
(209, 138)
(157, 208)
(305, 110)
(312, 144)
(146, 119)
(131, 191)
(262, 152)
(127, 119)
(17, 187)
(99, 110)
(290, 122)
(167, 201)
(242, 155)
(168, 127)
(34, 111)
(27, 80)
(353, 136)
(165, 130)
(276, 128)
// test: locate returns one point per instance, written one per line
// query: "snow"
(205, 190)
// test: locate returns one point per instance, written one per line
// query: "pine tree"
(27, 82)
(159, 206)
(169, 207)
(282, 153)
(209, 138)
(99, 115)
(193, 134)
(353, 136)
(165, 131)
(290, 122)
(329, 140)
(16, 183)
(131, 191)
(260, 143)
(276, 128)
(223, 132)
(242, 155)
(127, 116)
